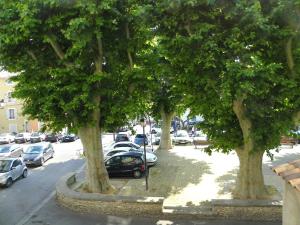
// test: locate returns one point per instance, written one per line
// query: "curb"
(252, 210)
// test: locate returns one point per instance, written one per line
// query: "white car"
(11, 169)
(200, 138)
(150, 157)
(6, 138)
(182, 137)
(126, 144)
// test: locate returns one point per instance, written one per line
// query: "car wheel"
(137, 174)
(42, 161)
(25, 173)
(9, 182)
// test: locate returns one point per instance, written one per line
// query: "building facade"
(11, 118)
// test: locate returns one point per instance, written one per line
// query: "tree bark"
(165, 138)
(250, 181)
(97, 180)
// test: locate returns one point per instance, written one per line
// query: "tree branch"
(296, 118)
(128, 51)
(32, 55)
(99, 58)
(289, 55)
(56, 47)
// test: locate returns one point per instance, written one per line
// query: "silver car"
(11, 150)
(6, 138)
(11, 169)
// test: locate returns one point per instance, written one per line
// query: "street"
(18, 201)
(31, 201)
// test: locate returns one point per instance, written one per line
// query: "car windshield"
(19, 135)
(140, 136)
(182, 135)
(5, 165)
(4, 149)
(3, 135)
(34, 150)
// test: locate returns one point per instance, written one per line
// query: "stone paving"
(189, 177)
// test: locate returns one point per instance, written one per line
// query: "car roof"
(128, 154)
(40, 144)
(123, 142)
(121, 148)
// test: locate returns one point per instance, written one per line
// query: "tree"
(230, 55)
(73, 59)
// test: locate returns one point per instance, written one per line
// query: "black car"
(37, 154)
(128, 163)
(69, 138)
(51, 137)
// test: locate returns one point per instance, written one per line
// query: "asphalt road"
(26, 195)
(31, 201)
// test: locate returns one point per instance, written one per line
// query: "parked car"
(69, 138)
(124, 144)
(37, 154)
(150, 157)
(6, 138)
(200, 138)
(11, 169)
(51, 137)
(182, 137)
(123, 136)
(11, 150)
(128, 163)
(36, 137)
(140, 138)
(22, 137)
(286, 140)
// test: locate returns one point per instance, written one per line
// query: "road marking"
(26, 218)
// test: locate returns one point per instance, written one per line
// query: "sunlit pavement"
(31, 201)
(218, 181)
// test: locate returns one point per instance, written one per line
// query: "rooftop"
(290, 172)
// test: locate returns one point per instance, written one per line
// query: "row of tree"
(92, 65)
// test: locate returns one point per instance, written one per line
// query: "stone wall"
(105, 204)
(258, 210)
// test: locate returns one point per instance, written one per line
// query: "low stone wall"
(105, 204)
(256, 210)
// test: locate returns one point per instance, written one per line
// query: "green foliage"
(55, 46)
(229, 50)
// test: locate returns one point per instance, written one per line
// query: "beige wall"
(19, 123)
(291, 206)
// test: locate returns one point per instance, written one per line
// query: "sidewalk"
(188, 177)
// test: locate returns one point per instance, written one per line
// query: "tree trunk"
(165, 138)
(250, 181)
(97, 180)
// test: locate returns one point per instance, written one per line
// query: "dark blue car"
(139, 139)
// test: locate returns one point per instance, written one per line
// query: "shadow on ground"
(171, 175)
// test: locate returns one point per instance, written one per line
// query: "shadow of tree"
(171, 175)
(227, 182)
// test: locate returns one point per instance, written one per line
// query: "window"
(127, 160)
(9, 97)
(16, 163)
(11, 114)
